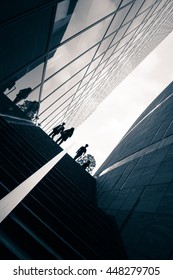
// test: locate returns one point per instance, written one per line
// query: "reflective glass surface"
(55, 108)
(120, 34)
(125, 2)
(92, 81)
(55, 104)
(25, 90)
(89, 12)
(161, 4)
(78, 93)
(79, 56)
(118, 20)
(137, 21)
(61, 11)
(108, 53)
(28, 78)
(50, 122)
(94, 64)
(150, 12)
(105, 44)
(54, 63)
(134, 10)
(146, 5)
(79, 45)
(86, 80)
(59, 82)
(114, 56)
(126, 39)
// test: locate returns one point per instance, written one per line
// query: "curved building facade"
(135, 183)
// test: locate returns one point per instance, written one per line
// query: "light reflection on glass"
(119, 17)
(89, 12)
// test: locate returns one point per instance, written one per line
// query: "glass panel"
(92, 81)
(78, 92)
(97, 84)
(146, 5)
(119, 17)
(87, 13)
(114, 57)
(62, 9)
(120, 34)
(73, 103)
(59, 82)
(99, 69)
(94, 64)
(126, 39)
(29, 77)
(137, 21)
(108, 53)
(138, 37)
(23, 89)
(134, 10)
(161, 4)
(56, 98)
(30, 104)
(104, 45)
(59, 112)
(48, 123)
(140, 28)
(54, 66)
(81, 103)
(72, 107)
(57, 107)
(151, 11)
(78, 45)
(125, 2)
(149, 21)
(108, 66)
(86, 80)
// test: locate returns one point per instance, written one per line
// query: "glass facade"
(70, 55)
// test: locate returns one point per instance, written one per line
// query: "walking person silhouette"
(81, 151)
(58, 129)
(65, 135)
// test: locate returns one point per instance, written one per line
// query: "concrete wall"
(135, 184)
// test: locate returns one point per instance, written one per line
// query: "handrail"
(12, 199)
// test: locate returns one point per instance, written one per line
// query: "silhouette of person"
(86, 164)
(23, 94)
(65, 135)
(81, 151)
(58, 129)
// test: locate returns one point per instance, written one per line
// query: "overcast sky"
(114, 116)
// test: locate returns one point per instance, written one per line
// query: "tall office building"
(72, 54)
(135, 183)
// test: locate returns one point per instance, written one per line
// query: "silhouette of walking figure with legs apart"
(58, 129)
(65, 135)
(81, 151)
